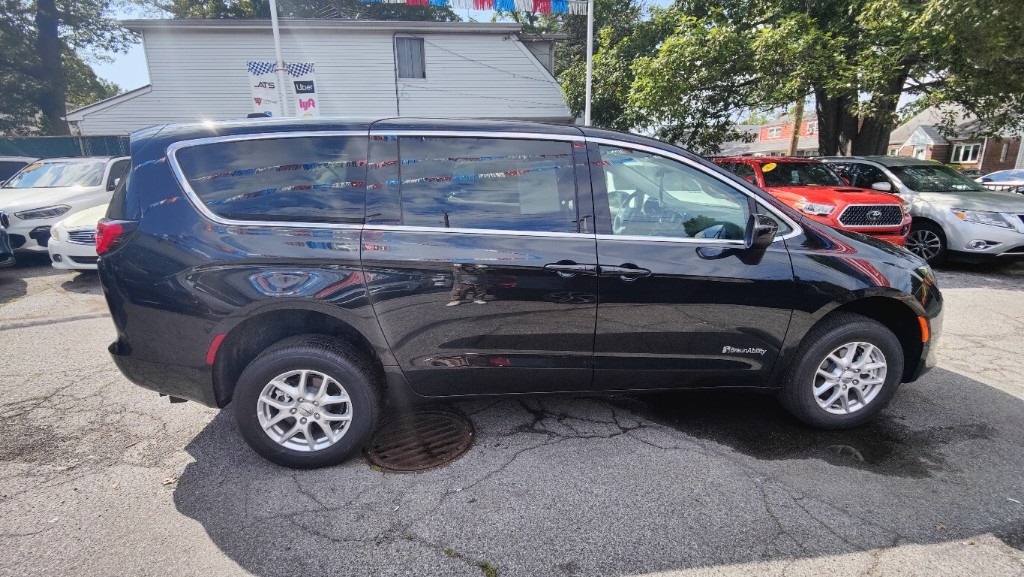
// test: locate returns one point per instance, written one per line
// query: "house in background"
(920, 137)
(772, 139)
(197, 71)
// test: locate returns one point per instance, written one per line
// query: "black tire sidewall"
(365, 403)
(798, 395)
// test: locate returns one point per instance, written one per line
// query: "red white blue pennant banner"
(538, 6)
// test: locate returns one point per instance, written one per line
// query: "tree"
(344, 9)
(37, 41)
(622, 34)
(856, 57)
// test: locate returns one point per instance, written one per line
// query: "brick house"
(920, 137)
(772, 139)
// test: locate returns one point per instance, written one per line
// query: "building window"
(919, 151)
(894, 151)
(812, 127)
(410, 58)
(965, 153)
(1002, 155)
(775, 132)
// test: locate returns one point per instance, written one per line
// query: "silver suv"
(955, 218)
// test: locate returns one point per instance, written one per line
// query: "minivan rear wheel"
(308, 401)
(846, 370)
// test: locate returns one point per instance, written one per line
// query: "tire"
(863, 401)
(266, 394)
(927, 241)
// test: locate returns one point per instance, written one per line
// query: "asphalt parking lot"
(101, 477)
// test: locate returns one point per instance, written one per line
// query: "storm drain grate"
(420, 440)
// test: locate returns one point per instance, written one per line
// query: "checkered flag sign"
(302, 77)
(266, 94)
(300, 69)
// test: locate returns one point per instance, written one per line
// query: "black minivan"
(309, 270)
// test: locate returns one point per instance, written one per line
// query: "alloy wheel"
(924, 243)
(849, 378)
(304, 410)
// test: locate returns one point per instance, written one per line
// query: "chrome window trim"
(796, 229)
(193, 197)
(483, 231)
(676, 239)
(480, 134)
(849, 206)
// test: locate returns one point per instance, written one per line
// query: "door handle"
(569, 269)
(628, 272)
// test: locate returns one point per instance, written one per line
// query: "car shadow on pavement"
(629, 485)
(85, 282)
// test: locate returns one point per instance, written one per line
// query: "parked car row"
(936, 212)
(51, 195)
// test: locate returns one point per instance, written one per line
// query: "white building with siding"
(197, 71)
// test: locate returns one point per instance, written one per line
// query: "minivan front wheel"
(309, 401)
(846, 370)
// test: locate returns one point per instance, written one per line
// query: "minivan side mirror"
(882, 186)
(760, 232)
(113, 184)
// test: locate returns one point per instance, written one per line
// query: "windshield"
(59, 174)
(934, 178)
(799, 174)
(1004, 175)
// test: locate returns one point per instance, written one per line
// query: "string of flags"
(576, 7)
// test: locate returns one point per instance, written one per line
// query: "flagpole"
(590, 59)
(280, 60)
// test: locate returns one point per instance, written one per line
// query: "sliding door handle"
(628, 271)
(569, 269)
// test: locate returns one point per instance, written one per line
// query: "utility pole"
(798, 119)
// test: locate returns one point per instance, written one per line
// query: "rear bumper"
(195, 384)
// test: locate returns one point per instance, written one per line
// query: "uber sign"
(304, 87)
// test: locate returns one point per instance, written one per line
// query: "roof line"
(100, 104)
(327, 24)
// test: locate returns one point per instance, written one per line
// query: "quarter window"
(410, 58)
(650, 195)
(488, 183)
(308, 179)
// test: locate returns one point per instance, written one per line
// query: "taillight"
(109, 232)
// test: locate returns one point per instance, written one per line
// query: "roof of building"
(325, 23)
(107, 102)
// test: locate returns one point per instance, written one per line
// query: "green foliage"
(35, 88)
(691, 69)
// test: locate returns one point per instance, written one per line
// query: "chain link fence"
(54, 146)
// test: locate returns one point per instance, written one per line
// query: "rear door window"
(301, 179)
(488, 183)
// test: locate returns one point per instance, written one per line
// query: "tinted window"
(799, 174)
(7, 168)
(651, 195)
(117, 172)
(864, 175)
(488, 183)
(744, 171)
(314, 179)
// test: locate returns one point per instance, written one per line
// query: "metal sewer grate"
(420, 440)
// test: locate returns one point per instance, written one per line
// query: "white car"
(1005, 180)
(47, 191)
(72, 243)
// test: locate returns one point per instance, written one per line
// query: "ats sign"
(266, 93)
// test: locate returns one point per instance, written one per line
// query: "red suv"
(811, 187)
